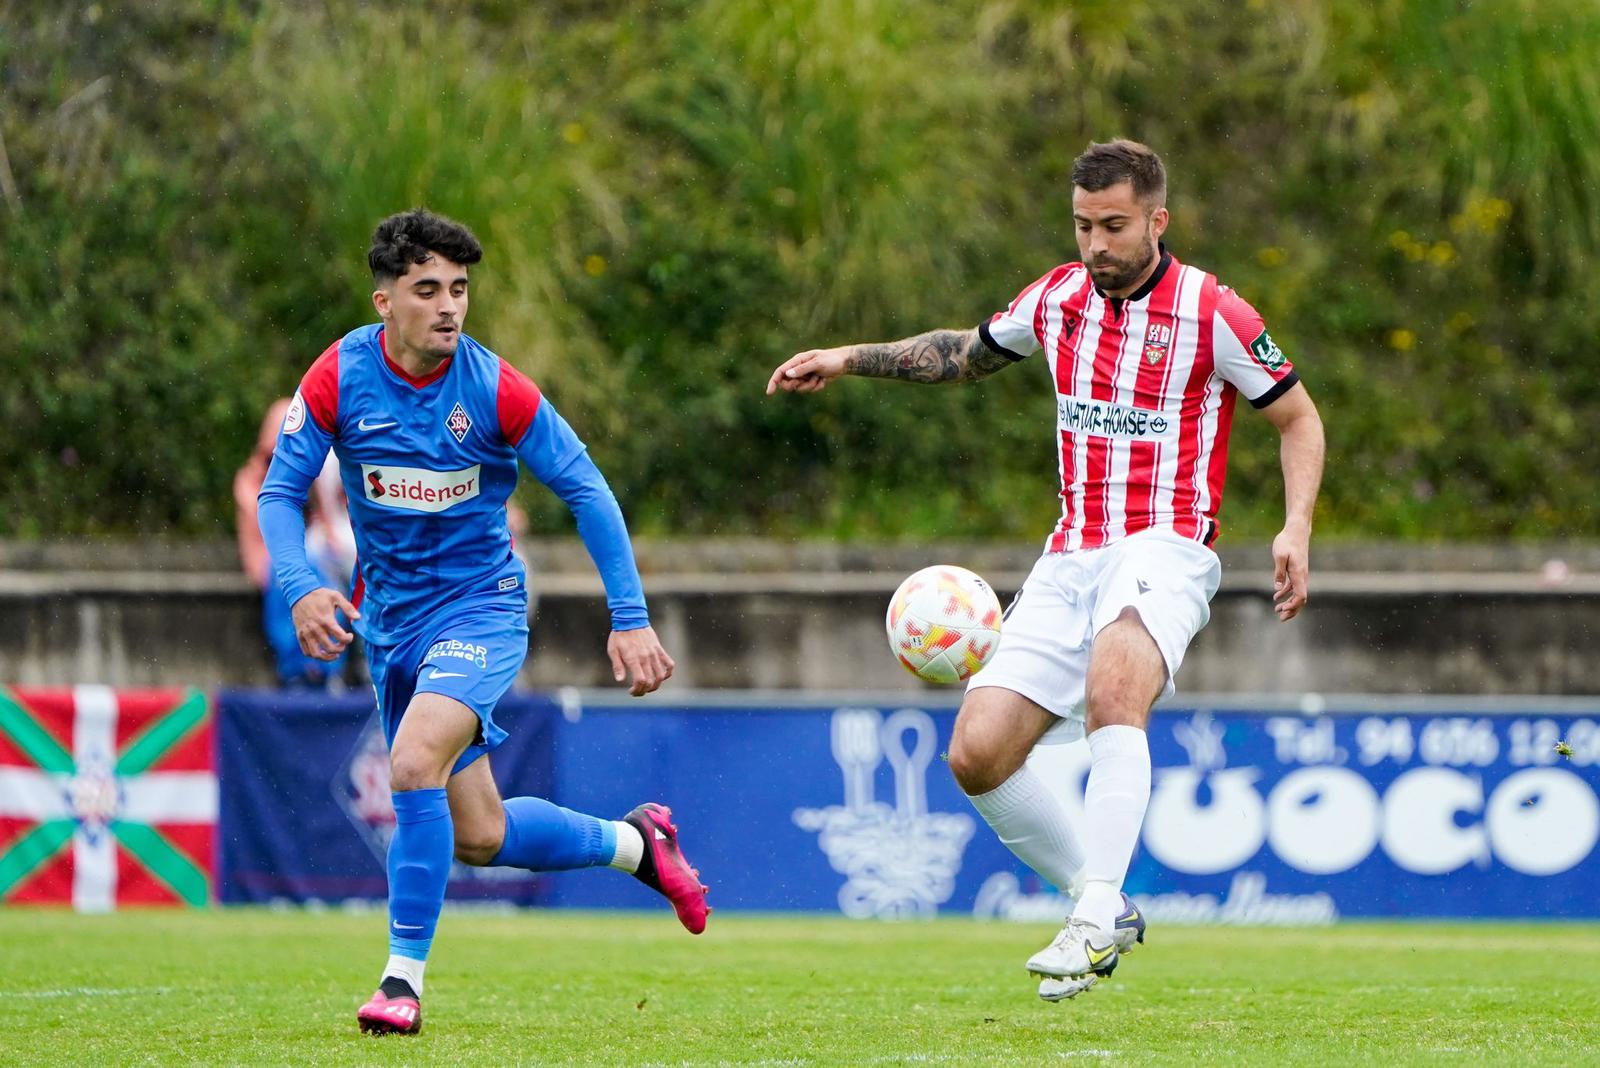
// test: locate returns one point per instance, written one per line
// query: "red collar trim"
(407, 376)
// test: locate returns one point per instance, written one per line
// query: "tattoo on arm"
(934, 357)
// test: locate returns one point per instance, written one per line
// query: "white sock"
(630, 847)
(1114, 800)
(1032, 823)
(407, 968)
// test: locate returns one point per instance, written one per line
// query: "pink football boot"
(384, 1015)
(663, 867)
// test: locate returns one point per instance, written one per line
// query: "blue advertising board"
(1257, 814)
(304, 807)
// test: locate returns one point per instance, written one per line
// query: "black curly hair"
(411, 236)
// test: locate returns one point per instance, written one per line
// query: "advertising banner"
(1256, 816)
(107, 797)
(306, 813)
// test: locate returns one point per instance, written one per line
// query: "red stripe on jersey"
(320, 389)
(406, 376)
(1217, 471)
(1242, 319)
(1149, 387)
(1097, 453)
(358, 594)
(517, 401)
(1072, 310)
(1050, 281)
(1191, 429)
(1066, 366)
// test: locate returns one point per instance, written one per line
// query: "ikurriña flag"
(107, 797)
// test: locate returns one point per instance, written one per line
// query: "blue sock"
(541, 836)
(419, 867)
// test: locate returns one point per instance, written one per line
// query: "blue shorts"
(470, 651)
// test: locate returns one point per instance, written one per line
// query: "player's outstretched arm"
(932, 358)
(1301, 451)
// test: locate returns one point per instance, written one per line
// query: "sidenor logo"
(420, 489)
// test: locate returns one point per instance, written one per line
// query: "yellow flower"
(1402, 340)
(1483, 214)
(595, 265)
(1442, 254)
(573, 133)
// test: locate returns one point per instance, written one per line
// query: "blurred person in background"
(329, 548)
(1146, 357)
(429, 427)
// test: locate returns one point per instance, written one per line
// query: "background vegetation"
(677, 195)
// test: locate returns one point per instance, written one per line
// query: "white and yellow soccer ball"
(943, 623)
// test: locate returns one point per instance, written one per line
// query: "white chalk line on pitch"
(83, 992)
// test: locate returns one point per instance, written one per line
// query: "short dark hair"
(1104, 165)
(411, 236)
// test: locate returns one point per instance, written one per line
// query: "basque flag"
(106, 797)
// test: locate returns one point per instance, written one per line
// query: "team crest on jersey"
(1156, 341)
(458, 423)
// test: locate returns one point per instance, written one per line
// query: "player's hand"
(1291, 572)
(808, 371)
(638, 661)
(316, 623)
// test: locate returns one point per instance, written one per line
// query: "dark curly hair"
(1104, 165)
(410, 236)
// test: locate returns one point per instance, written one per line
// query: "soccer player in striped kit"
(1145, 357)
(429, 427)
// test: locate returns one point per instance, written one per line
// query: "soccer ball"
(943, 623)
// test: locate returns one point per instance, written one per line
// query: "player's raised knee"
(974, 765)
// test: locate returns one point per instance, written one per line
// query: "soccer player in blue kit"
(428, 426)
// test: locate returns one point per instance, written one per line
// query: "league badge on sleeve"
(1266, 352)
(1156, 341)
(295, 417)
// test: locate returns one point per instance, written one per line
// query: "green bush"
(676, 196)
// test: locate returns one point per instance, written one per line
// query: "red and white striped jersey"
(1144, 395)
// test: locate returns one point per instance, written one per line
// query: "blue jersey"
(428, 464)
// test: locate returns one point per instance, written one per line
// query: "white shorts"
(1070, 597)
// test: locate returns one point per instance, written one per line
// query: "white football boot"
(1129, 932)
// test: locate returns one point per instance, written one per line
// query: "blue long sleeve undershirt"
(280, 510)
(605, 535)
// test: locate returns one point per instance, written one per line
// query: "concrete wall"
(760, 614)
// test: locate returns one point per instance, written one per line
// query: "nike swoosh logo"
(407, 927)
(1098, 957)
(364, 425)
(446, 675)
(1144, 587)
(659, 836)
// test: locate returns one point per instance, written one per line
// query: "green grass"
(253, 987)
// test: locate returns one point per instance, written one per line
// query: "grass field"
(256, 987)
